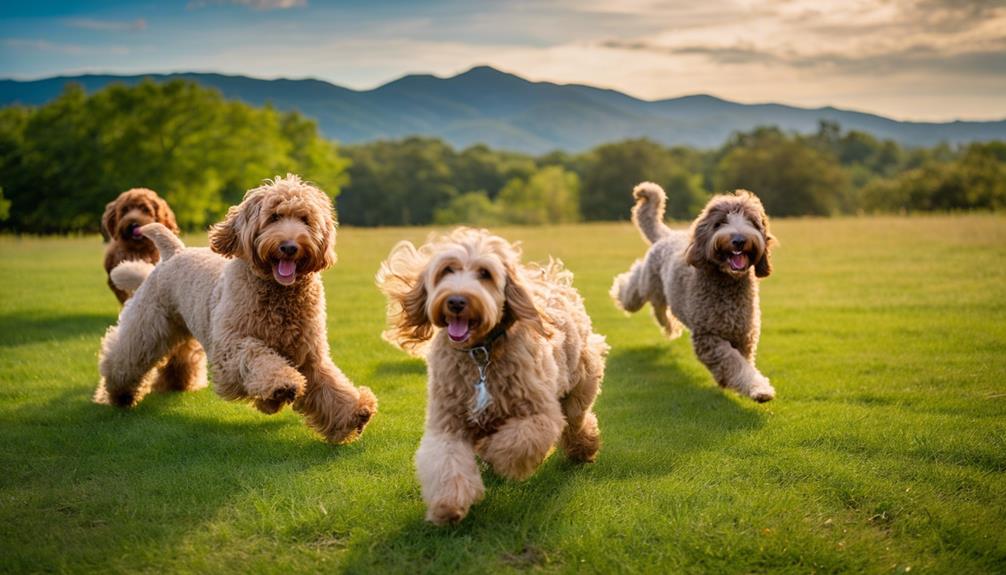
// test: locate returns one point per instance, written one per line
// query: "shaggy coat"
(256, 303)
(545, 363)
(706, 279)
(120, 227)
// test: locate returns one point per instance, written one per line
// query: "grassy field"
(884, 452)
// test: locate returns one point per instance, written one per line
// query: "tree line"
(61, 162)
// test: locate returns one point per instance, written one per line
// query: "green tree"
(551, 195)
(471, 209)
(791, 176)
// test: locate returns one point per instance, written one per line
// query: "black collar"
(494, 335)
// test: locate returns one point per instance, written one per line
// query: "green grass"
(885, 450)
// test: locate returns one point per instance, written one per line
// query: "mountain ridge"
(484, 105)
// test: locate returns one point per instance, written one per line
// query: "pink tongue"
(457, 328)
(738, 261)
(286, 268)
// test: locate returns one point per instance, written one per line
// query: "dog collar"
(482, 356)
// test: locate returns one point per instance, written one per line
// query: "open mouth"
(133, 232)
(738, 261)
(459, 329)
(285, 272)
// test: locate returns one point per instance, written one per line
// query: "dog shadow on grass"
(26, 327)
(659, 408)
(154, 473)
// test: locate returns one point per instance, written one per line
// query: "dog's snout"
(289, 248)
(738, 241)
(456, 304)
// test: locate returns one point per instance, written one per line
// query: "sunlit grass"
(885, 450)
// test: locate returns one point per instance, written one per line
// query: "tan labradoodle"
(706, 278)
(513, 363)
(256, 303)
(120, 227)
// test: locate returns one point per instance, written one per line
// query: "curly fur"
(264, 328)
(706, 279)
(132, 209)
(544, 374)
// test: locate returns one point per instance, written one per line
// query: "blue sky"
(908, 59)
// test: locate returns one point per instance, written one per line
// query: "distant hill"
(485, 105)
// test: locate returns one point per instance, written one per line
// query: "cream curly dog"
(256, 303)
(513, 363)
(706, 278)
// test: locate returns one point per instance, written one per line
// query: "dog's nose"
(288, 248)
(456, 304)
(738, 241)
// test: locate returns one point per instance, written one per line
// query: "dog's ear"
(110, 220)
(755, 211)
(519, 305)
(223, 236)
(230, 237)
(763, 267)
(402, 278)
(164, 215)
(698, 241)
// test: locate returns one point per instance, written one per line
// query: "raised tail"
(166, 241)
(648, 213)
(129, 274)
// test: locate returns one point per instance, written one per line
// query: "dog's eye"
(304, 219)
(447, 271)
(485, 274)
(274, 218)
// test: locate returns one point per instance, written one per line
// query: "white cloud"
(253, 4)
(39, 45)
(107, 25)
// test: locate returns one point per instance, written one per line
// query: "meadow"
(885, 451)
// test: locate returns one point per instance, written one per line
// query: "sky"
(932, 60)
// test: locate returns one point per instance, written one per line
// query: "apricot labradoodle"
(707, 279)
(514, 365)
(256, 303)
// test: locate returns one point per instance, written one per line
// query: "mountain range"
(505, 111)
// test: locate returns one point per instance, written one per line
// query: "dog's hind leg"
(581, 439)
(130, 350)
(627, 289)
(670, 324)
(730, 368)
(185, 369)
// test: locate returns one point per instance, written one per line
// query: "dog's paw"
(761, 390)
(445, 513)
(366, 407)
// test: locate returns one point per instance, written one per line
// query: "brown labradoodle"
(120, 227)
(706, 278)
(514, 365)
(255, 301)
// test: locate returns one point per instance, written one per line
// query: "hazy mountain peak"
(503, 110)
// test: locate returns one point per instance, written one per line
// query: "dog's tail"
(648, 213)
(129, 274)
(166, 241)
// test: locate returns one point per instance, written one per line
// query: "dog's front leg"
(519, 446)
(331, 404)
(247, 367)
(730, 368)
(449, 476)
